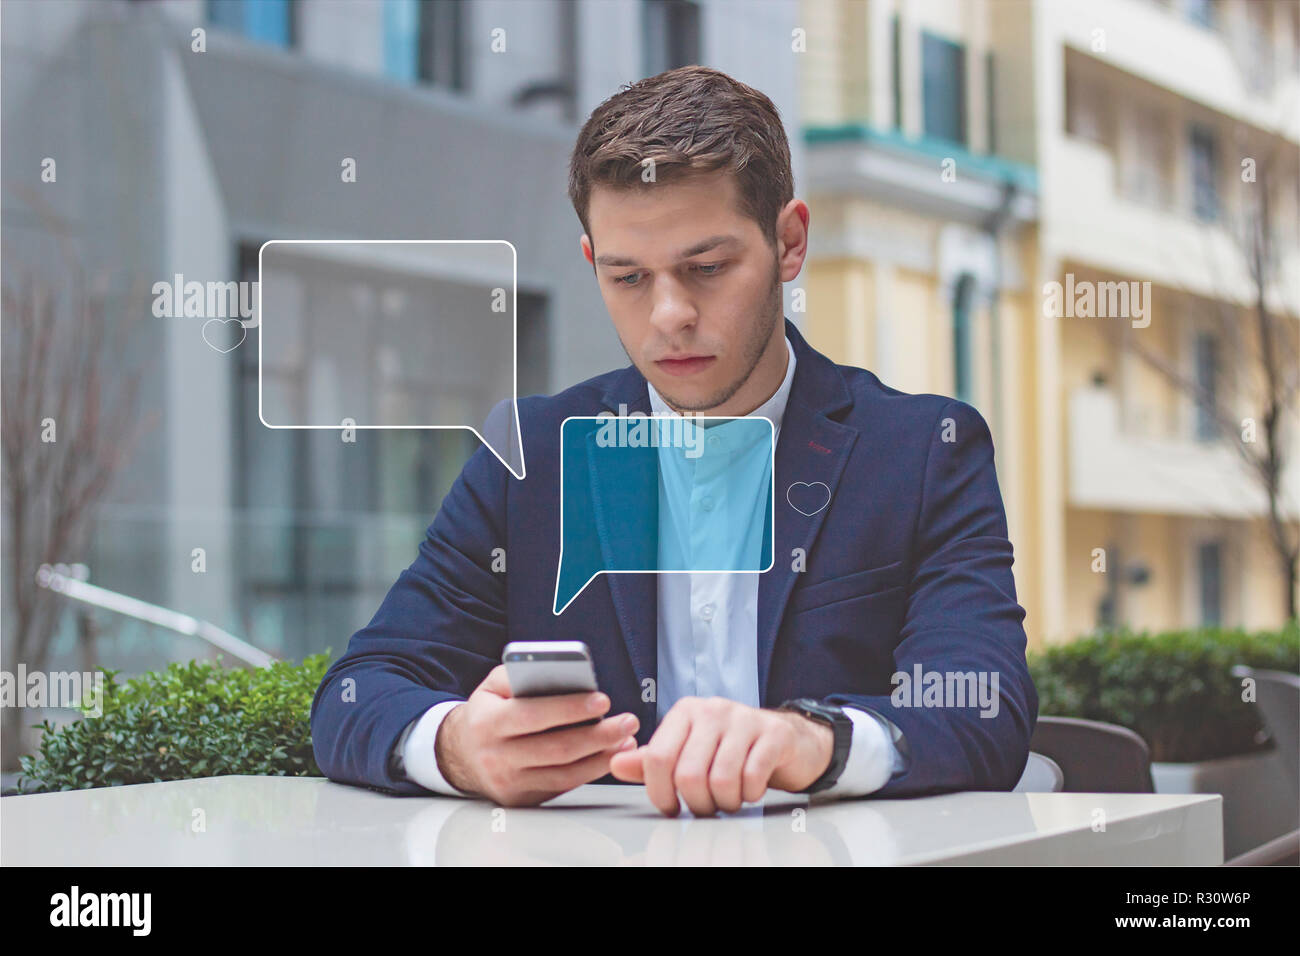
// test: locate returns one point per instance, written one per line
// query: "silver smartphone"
(541, 668)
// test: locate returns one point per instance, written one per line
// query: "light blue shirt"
(708, 622)
(714, 495)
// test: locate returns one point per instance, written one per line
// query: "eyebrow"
(700, 247)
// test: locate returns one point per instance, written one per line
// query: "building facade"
(1039, 207)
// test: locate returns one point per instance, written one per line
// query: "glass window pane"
(943, 65)
(402, 39)
(1204, 164)
(1210, 558)
(1207, 368)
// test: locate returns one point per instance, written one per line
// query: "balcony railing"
(1111, 468)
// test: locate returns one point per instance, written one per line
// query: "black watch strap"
(840, 724)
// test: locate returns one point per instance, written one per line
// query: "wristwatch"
(842, 726)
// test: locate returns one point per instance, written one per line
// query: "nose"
(672, 310)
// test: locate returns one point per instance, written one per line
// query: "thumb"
(496, 682)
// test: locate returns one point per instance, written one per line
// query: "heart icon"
(810, 494)
(223, 339)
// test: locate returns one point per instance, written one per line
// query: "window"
(442, 46)
(267, 21)
(402, 39)
(1258, 46)
(1209, 556)
(323, 528)
(1207, 377)
(555, 95)
(1083, 110)
(990, 95)
(1107, 614)
(424, 42)
(962, 298)
(1205, 170)
(1201, 12)
(1146, 170)
(943, 82)
(1293, 15)
(532, 345)
(670, 34)
(896, 44)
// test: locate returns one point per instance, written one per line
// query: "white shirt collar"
(772, 409)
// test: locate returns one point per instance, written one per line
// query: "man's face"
(693, 289)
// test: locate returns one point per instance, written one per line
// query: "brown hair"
(688, 120)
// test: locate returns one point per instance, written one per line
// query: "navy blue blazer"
(908, 564)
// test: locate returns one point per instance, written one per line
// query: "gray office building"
(154, 142)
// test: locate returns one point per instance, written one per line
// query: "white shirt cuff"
(419, 759)
(873, 757)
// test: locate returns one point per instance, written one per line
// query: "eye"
(709, 268)
(622, 280)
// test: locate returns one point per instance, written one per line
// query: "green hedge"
(196, 719)
(1176, 689)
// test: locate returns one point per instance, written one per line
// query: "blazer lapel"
(811, 452)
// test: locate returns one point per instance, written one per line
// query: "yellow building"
(1036, 206)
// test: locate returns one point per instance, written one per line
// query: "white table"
(307, 821)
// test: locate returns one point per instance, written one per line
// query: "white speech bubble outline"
(586, 584)
(514, 342)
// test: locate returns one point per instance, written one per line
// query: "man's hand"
(504, 748)
(717, 753)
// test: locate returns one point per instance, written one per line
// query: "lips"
(687, 365)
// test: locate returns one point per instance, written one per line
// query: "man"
(892, 563)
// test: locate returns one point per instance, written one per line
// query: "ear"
(587, 252)
(792, 238)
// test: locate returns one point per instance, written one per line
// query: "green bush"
(1176, 689)
(191, 720)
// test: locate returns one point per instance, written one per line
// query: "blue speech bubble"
(663, 494)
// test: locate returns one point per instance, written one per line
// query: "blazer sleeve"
(961, 617)
(434, 638)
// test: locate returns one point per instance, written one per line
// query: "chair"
(1280, 851)
(1278, 696)
(1041, 775)
(1095, 757)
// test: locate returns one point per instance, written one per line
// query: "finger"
(531, 715)
(692, 774)
(555, 748)
(725, 783)
(760, 764)
(564, 778)
(496, 682)
(626, 765)
(659, 760)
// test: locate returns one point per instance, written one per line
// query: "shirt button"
(706, 612)
(706, 503)
(714, 441)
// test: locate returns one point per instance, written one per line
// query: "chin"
(697, 401)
